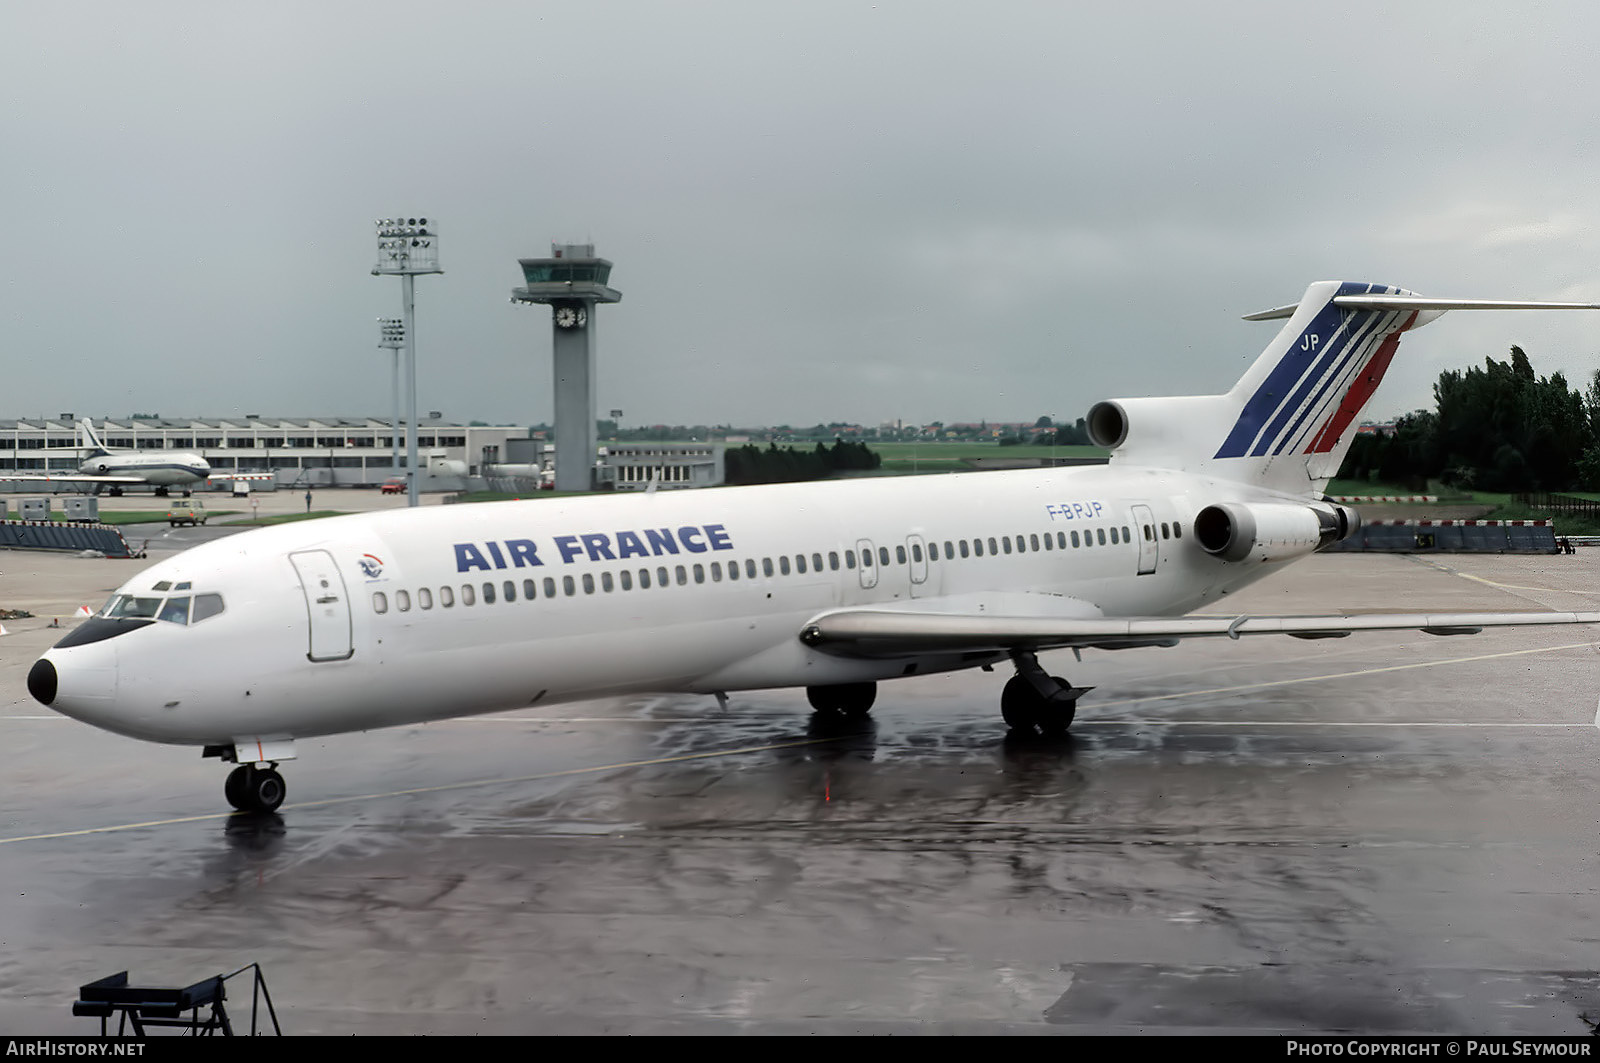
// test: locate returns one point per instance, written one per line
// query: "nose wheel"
(255, 789)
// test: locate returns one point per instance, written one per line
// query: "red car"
(393, 487)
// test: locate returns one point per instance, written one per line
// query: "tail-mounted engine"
(1272, 531)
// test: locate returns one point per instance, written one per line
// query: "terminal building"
(328, 451)
(351, 452)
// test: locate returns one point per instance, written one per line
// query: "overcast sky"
(817, 211)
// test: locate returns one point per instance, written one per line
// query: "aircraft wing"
(70, 478)
(893, 633)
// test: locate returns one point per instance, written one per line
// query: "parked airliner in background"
(124, 467)
(398, 617)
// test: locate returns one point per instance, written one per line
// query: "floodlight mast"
(406, 247)
(392, 334)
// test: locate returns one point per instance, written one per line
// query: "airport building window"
(424, 598)
(588, 583)
(206, 606)
(380, 602)
(569, 586)
(402, 601)
(468, 596)
(447, 597)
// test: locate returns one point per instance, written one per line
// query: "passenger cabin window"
(468, 596)
(425, 598)
(447, 597)
(488, 594)
(1100, 533)
(900, 554)
(380, 602)
(402, 601)
(509, 590)
(530, 588)
(549, 586)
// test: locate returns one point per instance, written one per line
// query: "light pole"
(392, 334)
(407, 247)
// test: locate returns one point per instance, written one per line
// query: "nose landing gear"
(255, 789)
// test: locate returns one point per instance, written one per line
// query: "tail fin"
(92, 441)
(1288, 422)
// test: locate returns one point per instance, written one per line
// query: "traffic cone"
(3, 630)
(83, 610)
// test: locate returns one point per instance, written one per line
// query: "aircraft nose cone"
(42, 681)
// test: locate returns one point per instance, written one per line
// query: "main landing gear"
(851, 701)
(1034, 703)
(255, 789)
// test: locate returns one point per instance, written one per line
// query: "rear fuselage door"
(326, 604)
(1144, 532)
(869, 564)
(919, 564)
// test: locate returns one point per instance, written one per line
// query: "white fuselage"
(389, 618)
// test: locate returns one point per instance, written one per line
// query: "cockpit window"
(176, 610)
(164, 585)
(206, 606)
(129, 607)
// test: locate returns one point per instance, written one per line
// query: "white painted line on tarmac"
(1319, 723)
(678, 758)
(1345, 675)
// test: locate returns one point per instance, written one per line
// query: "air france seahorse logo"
(372, 565)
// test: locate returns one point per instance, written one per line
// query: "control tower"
(571, 281)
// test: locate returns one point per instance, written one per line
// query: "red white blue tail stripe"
(1325, 372)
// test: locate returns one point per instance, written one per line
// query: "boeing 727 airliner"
(403, 616)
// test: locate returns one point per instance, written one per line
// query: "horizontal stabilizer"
(1420, 302)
